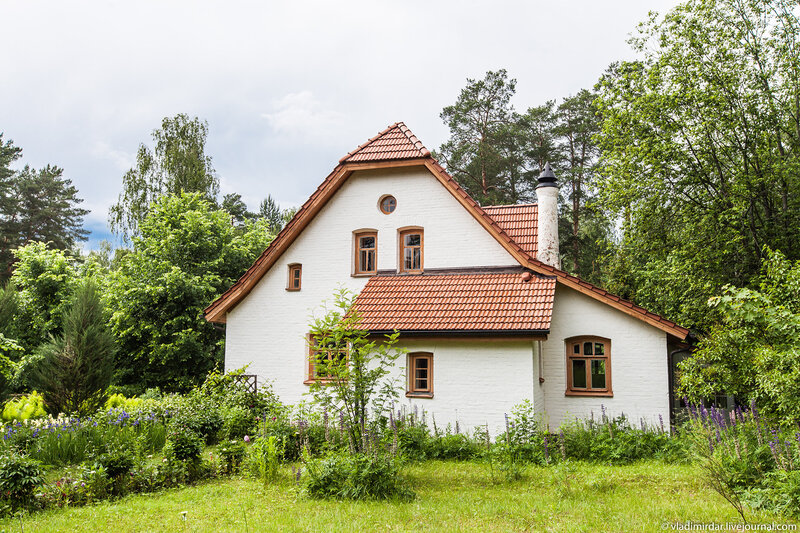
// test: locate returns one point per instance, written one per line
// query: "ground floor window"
(420, 375)
(325, 363)
(588, 366)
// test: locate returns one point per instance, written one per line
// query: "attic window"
(411, 256)
(295, 277)
(366, 247)
(387, 204)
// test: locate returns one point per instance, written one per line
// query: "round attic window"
(387, 204)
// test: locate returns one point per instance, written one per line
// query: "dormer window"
(295, 277)
(411, 242)
(366, 249)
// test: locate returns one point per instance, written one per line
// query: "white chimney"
(547, 223)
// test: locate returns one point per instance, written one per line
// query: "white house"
(487, 316)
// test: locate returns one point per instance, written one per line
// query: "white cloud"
(303, 115)
(121, 159)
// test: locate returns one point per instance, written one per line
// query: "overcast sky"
(287, 88)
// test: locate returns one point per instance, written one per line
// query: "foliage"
(45, 280)
(495, 154)
(183, 445)
(355, 476)
(35, 205)
(19, 477)
(745, 460)
(178, 165)
(751, 351)
(702, 132)
(24, 408)
(187, 254)
(116, 462)
(265, 456)
(356, 383)
(232, 454)
(74, 370)
(119, 401)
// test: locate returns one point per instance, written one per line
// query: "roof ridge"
(415, 150)
(532, 204)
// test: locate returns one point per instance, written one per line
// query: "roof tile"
(462, 302)
(395, 142)
(519, 222)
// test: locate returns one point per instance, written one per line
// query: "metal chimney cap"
(547, 178)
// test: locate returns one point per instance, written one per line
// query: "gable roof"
(468, 302)
(519, 222)
(394, 143)
(380, 158)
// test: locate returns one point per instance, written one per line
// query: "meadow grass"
(451, 496)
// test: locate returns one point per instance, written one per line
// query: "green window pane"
(579, 373)
(599, 348)
(598, 374)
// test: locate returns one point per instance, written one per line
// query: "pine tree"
(74, 370)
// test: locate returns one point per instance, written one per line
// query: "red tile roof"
(519, 223)
(472, 302)
(400, 152)
(395, 142)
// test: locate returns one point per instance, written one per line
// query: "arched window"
(588, 366)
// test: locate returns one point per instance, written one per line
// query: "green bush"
(24, 408)
(119, 401)
(231, 455)
(457, 447)
(237, 422)
(116, 462)
(183, 444)
(19, 478)
(355, 477)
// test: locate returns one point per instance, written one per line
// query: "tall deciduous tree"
(178, 164)
(700, 142)
(187, 254)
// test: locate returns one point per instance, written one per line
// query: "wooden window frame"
(569, 344)
(380, 204)
(411, 390)
(357, 235)
(402, 232)
(311, 356)
(294, 267)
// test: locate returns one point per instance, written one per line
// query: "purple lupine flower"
(247, 438)
(661, 422)
(546, 449)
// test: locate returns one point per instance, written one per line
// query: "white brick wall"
(638, 361)
(476, 381)
(267, 328)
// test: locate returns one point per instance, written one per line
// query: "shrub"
(89, 485)
(183, 445)
(19, 477)
(355, 477)
(231, 456)
(119, 401)
(116, 462)
(453, 446)
(24, 408)
(237, 422)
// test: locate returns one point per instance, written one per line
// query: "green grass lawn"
(450, 497)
